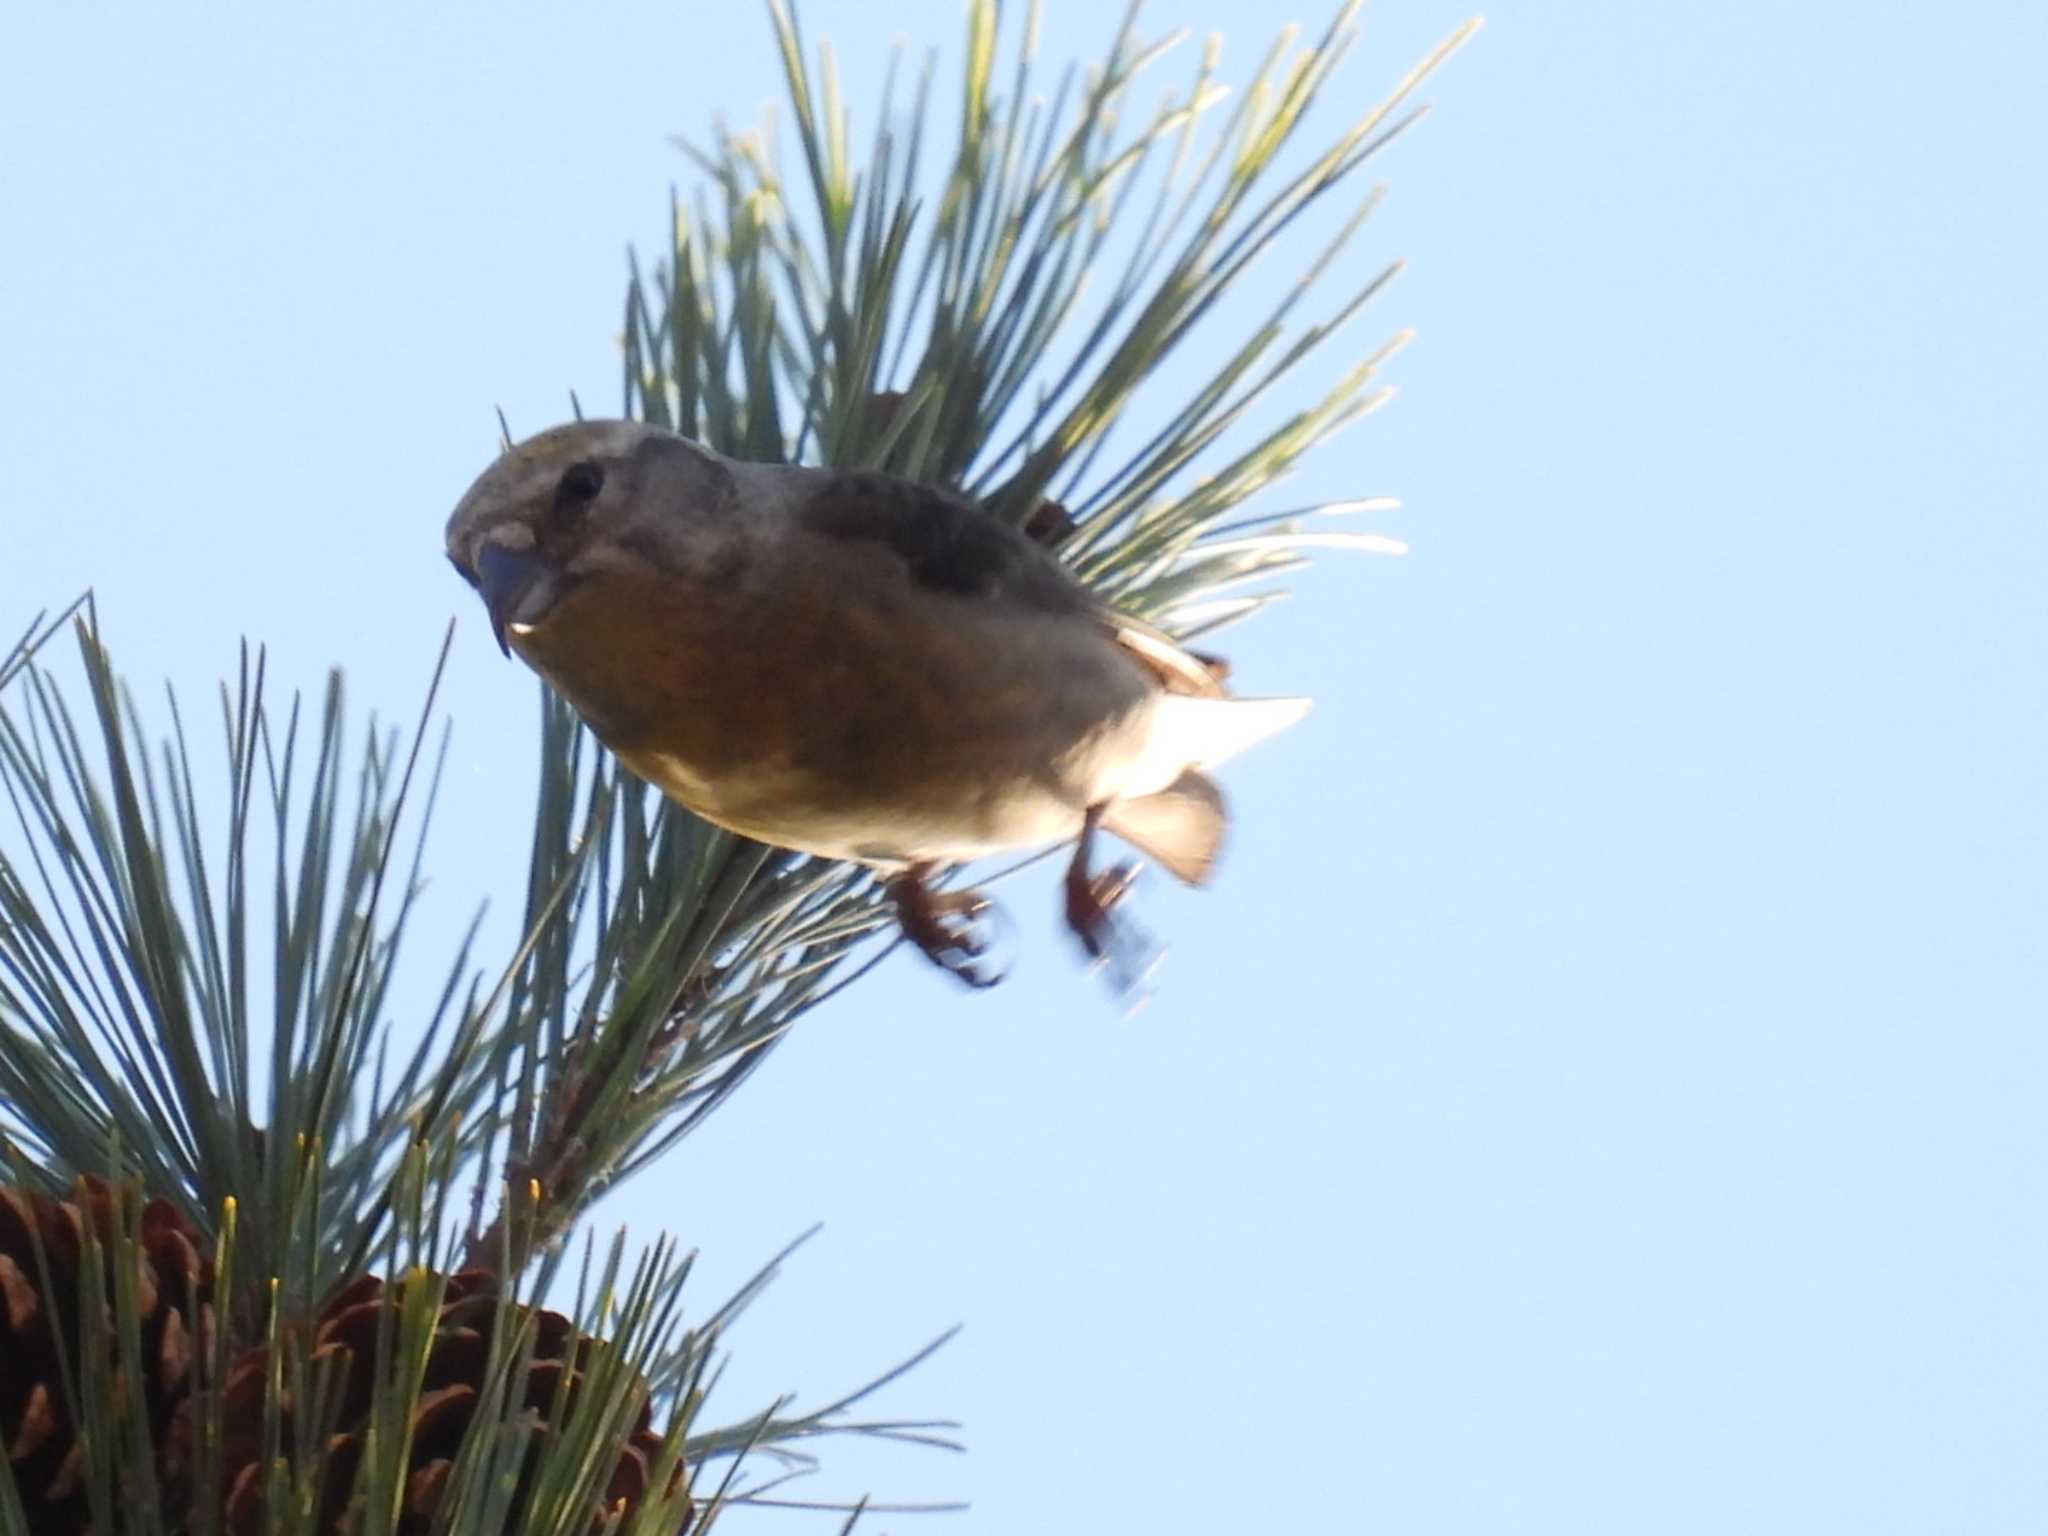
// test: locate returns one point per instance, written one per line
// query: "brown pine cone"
(346, 1335)
(174, 1302)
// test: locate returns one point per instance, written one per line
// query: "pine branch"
(198, 989)
(872, 327)
(131, 948)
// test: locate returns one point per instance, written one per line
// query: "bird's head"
(555, 510)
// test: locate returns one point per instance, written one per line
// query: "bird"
(854, 665)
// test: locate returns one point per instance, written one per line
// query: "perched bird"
(851, 665)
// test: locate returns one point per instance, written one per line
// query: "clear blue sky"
(1607, 1090)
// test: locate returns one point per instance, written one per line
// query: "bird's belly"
(878, 771)
(885, 824)
(872, 730)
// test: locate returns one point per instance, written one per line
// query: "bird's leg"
(1091, 899)
(942, 924)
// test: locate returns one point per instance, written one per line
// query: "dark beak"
(507, 579)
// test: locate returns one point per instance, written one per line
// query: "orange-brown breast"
(850, 696)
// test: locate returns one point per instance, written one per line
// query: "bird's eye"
(578, 487)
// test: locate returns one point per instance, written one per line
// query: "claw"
(1126, 949)
(1091, 903)
(945, 925)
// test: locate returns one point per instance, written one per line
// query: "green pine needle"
(852, 316)
(208, 982)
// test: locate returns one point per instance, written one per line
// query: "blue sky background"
(1605, 1091)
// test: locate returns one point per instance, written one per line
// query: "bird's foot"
(1091, 905)
(947, 926)
(1128, 952)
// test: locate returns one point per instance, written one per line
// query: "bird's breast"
(828, 717)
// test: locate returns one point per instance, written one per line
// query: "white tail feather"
(1191, 732)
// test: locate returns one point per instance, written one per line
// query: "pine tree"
(287, 1238)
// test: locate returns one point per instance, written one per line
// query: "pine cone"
(43, 1239)
(346, 1335)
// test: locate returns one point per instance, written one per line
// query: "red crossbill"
(851, 665)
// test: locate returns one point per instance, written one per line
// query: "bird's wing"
(950, 545)
(947, 545)
(1178, 669)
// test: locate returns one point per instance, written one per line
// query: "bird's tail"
(1181, 826)
(1201, 733)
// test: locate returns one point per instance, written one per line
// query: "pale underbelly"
(946, 823)
(870, 731)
